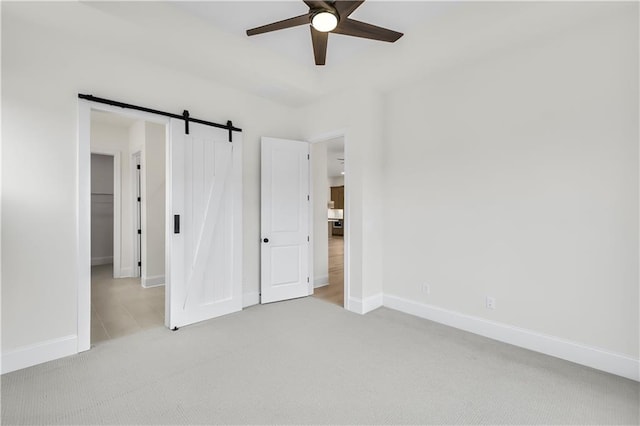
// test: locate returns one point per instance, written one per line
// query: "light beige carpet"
(308, 361)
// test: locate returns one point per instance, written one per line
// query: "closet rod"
(184, 116)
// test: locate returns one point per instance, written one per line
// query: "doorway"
(202, 160)
(126, 297)
(329, 220)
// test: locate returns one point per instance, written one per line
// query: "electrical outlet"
(491, 302)
(425, 288)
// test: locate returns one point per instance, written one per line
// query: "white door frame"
(117, 200)
(347, 211)
(137, 253)
(83, 207)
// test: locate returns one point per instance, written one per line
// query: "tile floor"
(122, 306)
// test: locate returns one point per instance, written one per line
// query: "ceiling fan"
(331, 16)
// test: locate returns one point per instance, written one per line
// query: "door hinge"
(139, 199)
(138, 166)
(308, 199)
(307, 279)
(139, 263)
(308, 157)
(308, 238)
(139, 231)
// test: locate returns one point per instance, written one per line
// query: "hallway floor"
(120, 307)
(334, 292)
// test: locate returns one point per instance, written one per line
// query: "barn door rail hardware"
(184, 116)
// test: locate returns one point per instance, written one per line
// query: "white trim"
(372, 302)
(311, 269)
(29, 355)
(168, 223)
(250, 299)
(354, 304)
(237, 148)
(363, 306)
(105, 260)
(126, 273)
(320, 281)
(153, 281)
(83, 226)
(590, 356)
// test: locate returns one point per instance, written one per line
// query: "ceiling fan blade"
(319, 40)
(346, 8)
(317, 4)
(354, 28)
(280, 25)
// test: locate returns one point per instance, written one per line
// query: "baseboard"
(362, 306)
(320, 281)
(600, 359)
(38, 353)
(250, 299)
(101, 260)
(153, 281)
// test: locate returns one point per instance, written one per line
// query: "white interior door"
(284, 220)
(204, 227)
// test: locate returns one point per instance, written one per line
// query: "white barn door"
(204, 228)
(284, 220)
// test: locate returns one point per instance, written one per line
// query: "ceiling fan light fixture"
(324, 21)
(327, 16)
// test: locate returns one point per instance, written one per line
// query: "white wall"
(101, 174)
(154, 205)
(320, 223)
(359, 114)
(101, 209)
(336, 181)
(516, 176)
(111, 137)
(39, 305)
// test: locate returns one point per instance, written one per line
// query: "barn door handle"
(266, 240)
(176, 223)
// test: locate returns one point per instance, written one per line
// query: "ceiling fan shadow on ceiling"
(330, 17)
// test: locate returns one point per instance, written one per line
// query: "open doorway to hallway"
(127, 225)
(329, 219)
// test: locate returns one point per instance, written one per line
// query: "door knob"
(266, 240)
